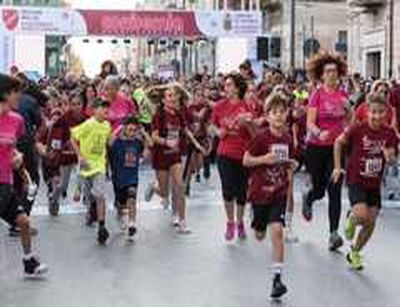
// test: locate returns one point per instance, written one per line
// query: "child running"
(126, 150)
(89, 141)
(268, 158)
(49, 145)
(372, 144)
(11, 205)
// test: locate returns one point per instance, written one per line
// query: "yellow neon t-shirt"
(93, 136)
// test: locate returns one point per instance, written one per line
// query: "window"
(342, 37)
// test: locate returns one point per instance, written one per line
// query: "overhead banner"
(59, 21)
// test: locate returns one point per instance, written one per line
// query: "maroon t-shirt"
(255, 107)
(170, 127)
(68, 121)
(198, 117)
(366, 162)
(269, 183)
(226, 115)
(52, 136)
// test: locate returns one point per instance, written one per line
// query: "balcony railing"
(368, 4)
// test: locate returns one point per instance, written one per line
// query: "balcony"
(368, 4)
(271, 6)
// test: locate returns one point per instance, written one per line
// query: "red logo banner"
(10, 18)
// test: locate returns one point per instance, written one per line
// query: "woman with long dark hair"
(169, 129)
(232, 118)
(327, 117)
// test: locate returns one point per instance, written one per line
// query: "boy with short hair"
(89, 141)
(271, 168)
(126, 151)
(372, 145)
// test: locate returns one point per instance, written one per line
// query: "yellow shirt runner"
(93, 136)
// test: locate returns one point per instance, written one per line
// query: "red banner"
(142, 23)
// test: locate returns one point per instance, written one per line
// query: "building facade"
(374, 44)
(49, 46)
(321, 22)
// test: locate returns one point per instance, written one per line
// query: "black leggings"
(319, 164)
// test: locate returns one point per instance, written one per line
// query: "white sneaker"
(182, 228)
(290, 236)
(175, 221)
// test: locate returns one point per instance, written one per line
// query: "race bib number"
(130, 159)
(173, 135)
(281, 151)
(373, 166)
(56, 144)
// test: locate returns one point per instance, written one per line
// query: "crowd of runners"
(334, 126)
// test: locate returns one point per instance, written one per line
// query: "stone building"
(374, 43)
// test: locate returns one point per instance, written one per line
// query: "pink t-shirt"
(331, 114)
(12, 127)
(119, 109)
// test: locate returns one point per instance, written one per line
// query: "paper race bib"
(56, 144)
(281, 151)
(130, 159)
(373, 166)
(173, 135)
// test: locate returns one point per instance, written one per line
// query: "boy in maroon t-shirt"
(372, 144)
(271, 168)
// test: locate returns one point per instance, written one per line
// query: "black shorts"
(265, 214)
(125, 193)
(10, 204)
(234, 178)
(359, 194)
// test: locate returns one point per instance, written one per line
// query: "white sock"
(277, 268)
(131, 223)
(28, 256)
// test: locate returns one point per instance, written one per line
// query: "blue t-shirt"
(125, 155)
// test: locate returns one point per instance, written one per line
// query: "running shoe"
(241, 231)
(198, 178)
(355, 260)
(278, 288)
(290, 236)
(182, 228)
(307, 208)
(54, 207)
(351, 227)
(33, 268)
(175, 221)
(149, 192)
(102, 235)
(230, 231)
(131, 233)
(335, 241)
